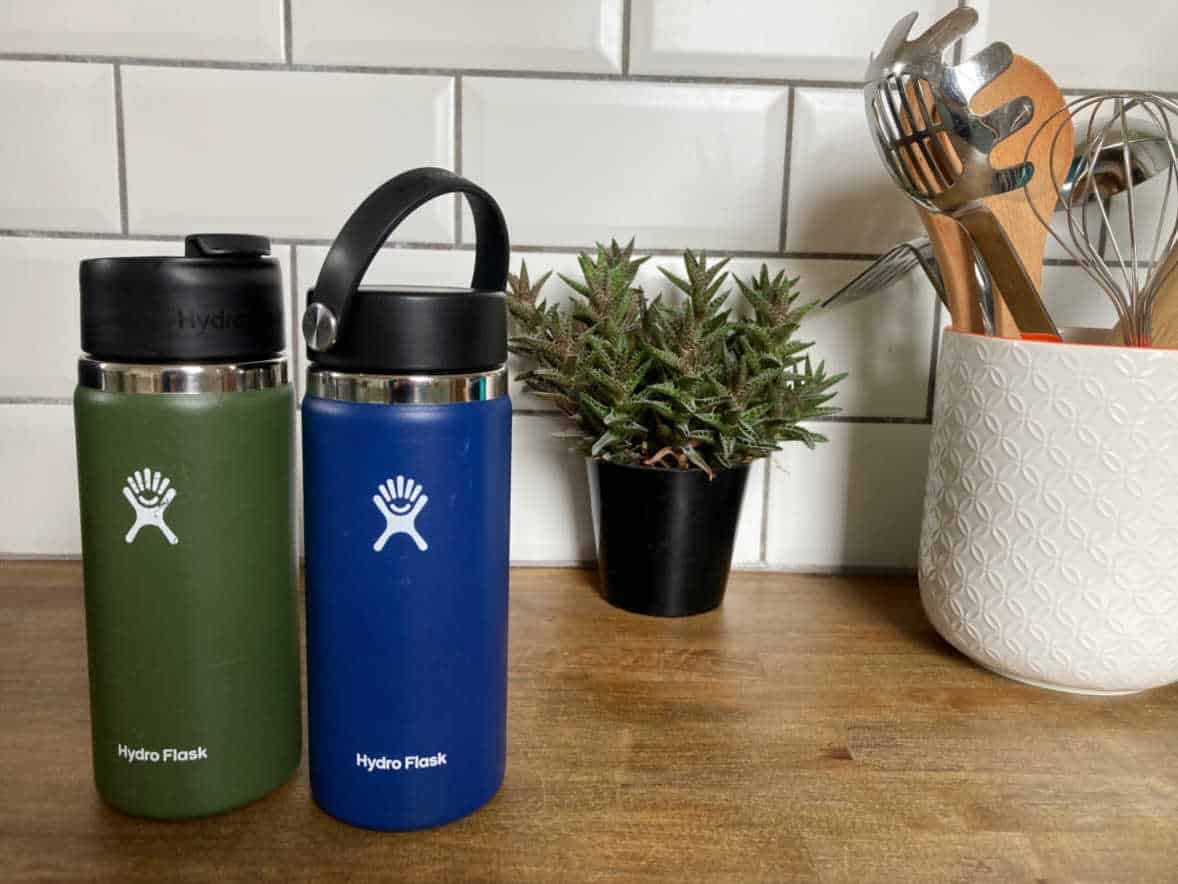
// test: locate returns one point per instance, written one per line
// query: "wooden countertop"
(815, 728)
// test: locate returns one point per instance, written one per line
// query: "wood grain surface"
(813, 729)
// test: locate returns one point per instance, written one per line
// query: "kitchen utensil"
(892, 265)
(898, 261)
(1029, 238)
(1163, 317)
(407, 463)
(1144, 140)
(961, 182)
(184, 417)
(1147, 155)
(1163, 314)
(1131, 265)
(969, 299)
(955, 253)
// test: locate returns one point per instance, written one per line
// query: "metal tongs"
(940, 155)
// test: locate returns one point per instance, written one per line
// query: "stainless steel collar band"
(123, 377)
(406, 389)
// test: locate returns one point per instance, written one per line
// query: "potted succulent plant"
(672, 398)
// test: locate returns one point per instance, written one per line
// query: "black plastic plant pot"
(665, 537)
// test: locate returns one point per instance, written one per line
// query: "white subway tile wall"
(734, 127)
(290, 153)
(676, 165)
(39, 473)
(220, 30)
(840, 197)
(59, 167)
(541, 35)
(764, 38)
(853, 502)
(1125, 45)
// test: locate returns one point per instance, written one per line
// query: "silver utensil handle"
(1007, 270)
(881, 273)
(985, 289)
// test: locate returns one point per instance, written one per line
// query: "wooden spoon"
(954, 251)
(1027, 234)
(1164, 319)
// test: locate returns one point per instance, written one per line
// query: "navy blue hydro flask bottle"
(407, 462)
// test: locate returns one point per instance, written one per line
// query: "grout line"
(457, 130)
(869, 419)
(36, 400)
(837, 419)
(287, 33)
(731, 253)
(88, 234)
(516, 412)
(626, 19)
(503, 73)
(18, 233)
(522, 564)
(522, 248)
(442, 246)
(837, 570)
(553, 563)
(789, 142)
(295, 324)
(402, 244)
(765, 510)
(506, 73)
(121, 149)
(39, 557)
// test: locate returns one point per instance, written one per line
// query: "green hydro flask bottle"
(184, 417)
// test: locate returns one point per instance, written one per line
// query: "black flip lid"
(221, 302)
(409, 329)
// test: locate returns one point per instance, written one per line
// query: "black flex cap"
(221, 302)
(409, 329)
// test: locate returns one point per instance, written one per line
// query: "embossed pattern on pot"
(1046, 549)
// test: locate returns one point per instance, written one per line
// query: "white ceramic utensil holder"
(1049, 546)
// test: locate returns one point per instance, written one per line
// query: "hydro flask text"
(202, 322)
(408, 762)
(162, 756)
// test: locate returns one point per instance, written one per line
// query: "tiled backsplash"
(735, 127)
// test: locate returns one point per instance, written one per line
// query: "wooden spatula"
(1027, 234)
(1164, 321)
(954, 252)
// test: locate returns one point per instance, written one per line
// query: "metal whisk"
(1129, 268)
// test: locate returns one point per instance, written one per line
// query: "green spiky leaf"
(682, 379)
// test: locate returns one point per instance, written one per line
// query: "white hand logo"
(399, 501)
(149, 495)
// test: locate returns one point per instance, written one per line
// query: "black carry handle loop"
(374, 221)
